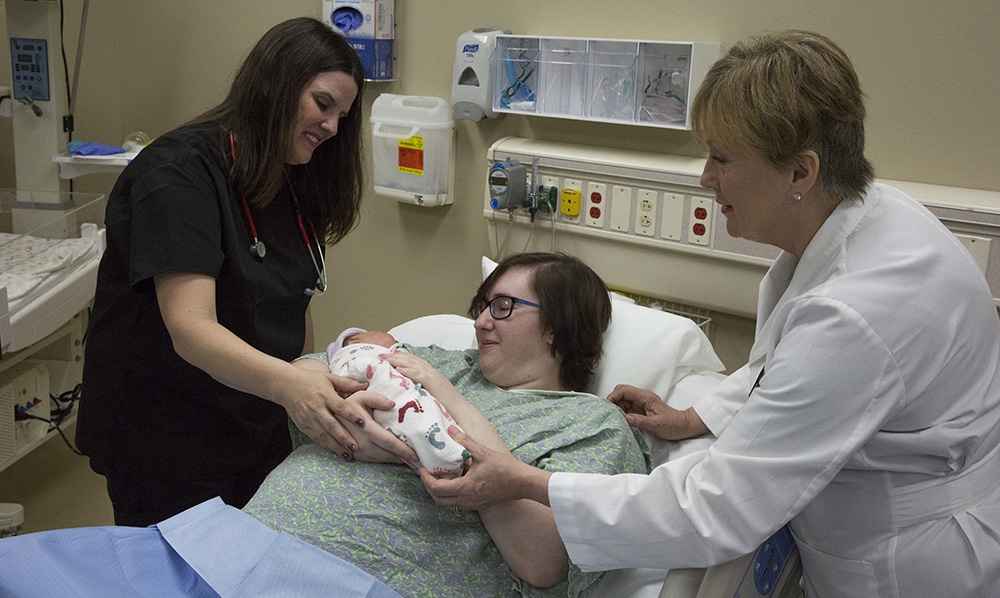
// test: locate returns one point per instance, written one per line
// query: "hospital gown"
(380, 517)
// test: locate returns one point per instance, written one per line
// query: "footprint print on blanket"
(432, 437)
(410, 405)
(423, 429)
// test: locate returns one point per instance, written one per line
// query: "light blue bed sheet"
(210, 550)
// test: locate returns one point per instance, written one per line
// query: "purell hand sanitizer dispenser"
(472, 88)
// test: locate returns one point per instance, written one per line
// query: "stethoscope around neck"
(259, 250)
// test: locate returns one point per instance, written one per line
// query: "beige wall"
(929, 70)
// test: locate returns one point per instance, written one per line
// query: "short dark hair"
(575, 306)
(261, 108)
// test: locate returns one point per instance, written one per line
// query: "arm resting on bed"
(523, 530)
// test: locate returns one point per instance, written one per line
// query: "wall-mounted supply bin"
(647, 83)
(413, 140)
(515, 74)
(611, 73)
(562, 74)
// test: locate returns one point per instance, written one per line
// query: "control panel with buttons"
(29, 65)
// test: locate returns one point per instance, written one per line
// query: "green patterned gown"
(380, 517)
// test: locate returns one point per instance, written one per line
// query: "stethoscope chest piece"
(258, 250)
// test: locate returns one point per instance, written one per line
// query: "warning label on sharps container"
(411, 156)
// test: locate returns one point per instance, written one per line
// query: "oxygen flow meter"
(508, 185)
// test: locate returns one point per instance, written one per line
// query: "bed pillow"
(447, 331)
(651, 349)
(643, 347)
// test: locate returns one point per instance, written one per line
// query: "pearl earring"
(797, 196)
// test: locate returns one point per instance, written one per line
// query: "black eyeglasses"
(500, 306)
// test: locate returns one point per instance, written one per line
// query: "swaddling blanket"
(418, 419)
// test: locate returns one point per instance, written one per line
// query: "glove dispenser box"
(369, 26)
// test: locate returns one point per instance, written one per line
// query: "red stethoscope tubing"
(257, 248)
(319, 266)
(246, 206)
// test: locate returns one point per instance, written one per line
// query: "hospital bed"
(645, 347)
(50, 247)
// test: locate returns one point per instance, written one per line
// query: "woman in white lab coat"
(868, 416)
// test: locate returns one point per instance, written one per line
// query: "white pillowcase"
(447, 331)
(643, 347)
(650, 349)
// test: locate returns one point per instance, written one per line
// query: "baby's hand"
(372, 337)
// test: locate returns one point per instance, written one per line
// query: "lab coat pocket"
(833, 577)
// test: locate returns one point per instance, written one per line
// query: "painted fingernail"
(360, 422)
(352, 448)
(346, 456)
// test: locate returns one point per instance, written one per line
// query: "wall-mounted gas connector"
(548, 198)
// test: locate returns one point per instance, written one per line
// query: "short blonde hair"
(782, 94)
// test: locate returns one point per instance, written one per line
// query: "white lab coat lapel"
(789, 277)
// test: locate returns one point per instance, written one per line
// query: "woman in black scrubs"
(216, 239)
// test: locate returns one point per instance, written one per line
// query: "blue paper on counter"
(92, 148)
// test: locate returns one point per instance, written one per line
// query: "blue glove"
(92, 148)
(347, 19)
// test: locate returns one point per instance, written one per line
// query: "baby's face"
(382, 339)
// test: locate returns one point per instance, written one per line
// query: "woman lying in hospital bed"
(381, 518)
(325, 500)
(539, 323)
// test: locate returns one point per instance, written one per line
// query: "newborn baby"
(418, 419)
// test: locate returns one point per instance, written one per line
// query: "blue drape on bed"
(207, 551)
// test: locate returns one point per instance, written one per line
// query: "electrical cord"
(57, 429)
(68, 120)
(63, 408)
(71, 91)
(62, 47)
(64, 403)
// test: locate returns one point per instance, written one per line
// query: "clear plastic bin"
(612, 80)
(666, 77)
(563, 76)
(52, 216)
(515, 74)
